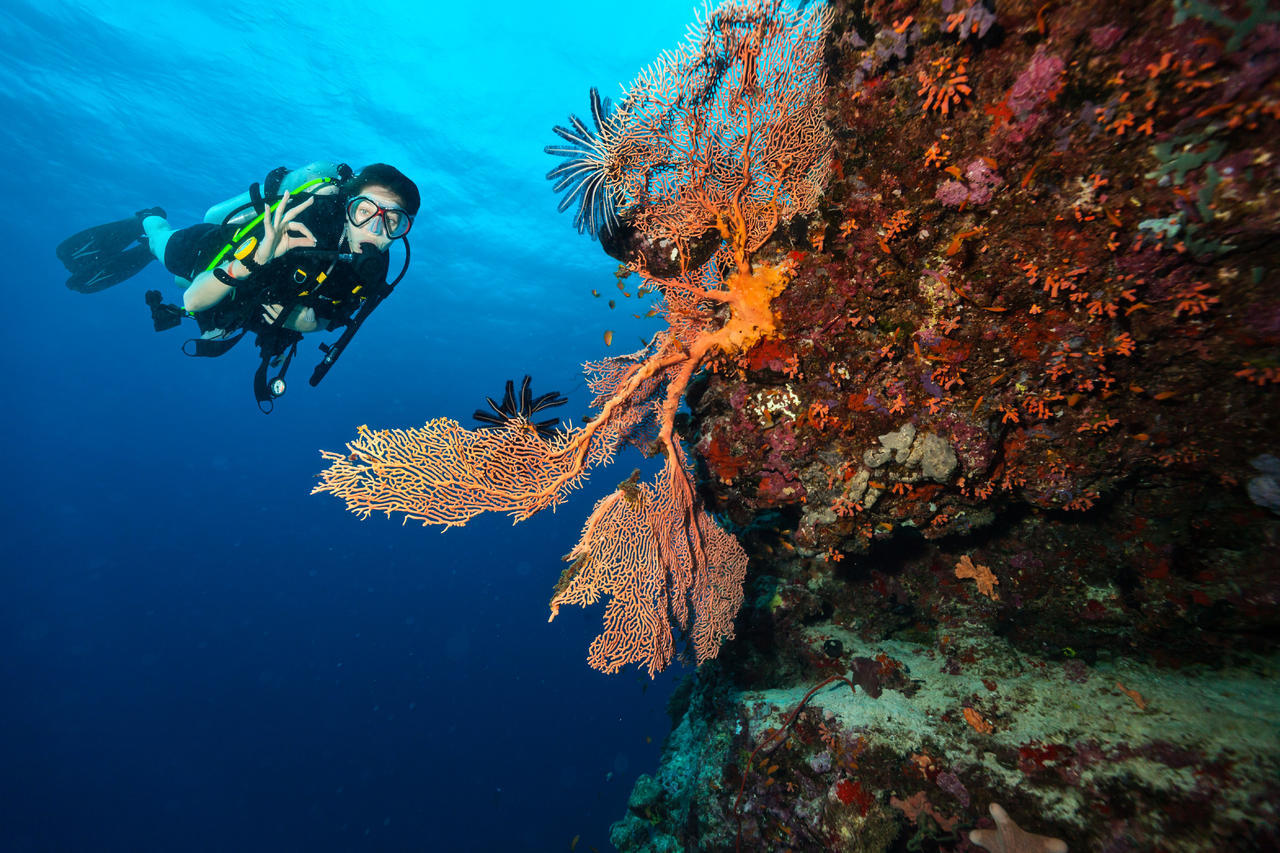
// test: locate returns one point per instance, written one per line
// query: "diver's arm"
(300, 319)
(206, 291)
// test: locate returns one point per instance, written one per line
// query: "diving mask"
(392, 222)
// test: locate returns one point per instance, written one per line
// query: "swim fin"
(104, 255)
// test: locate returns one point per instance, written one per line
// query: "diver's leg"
(189, 251)
(158, 231)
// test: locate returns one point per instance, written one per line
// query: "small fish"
(574, 843)
(608, 337)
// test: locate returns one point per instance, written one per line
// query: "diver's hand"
(280, 233)
(304, 320)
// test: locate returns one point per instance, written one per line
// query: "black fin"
(110, 270)
(88, 248)
(100, 257)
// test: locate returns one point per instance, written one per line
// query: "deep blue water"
(195, 653)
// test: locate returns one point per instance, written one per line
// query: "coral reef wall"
(1010, 464)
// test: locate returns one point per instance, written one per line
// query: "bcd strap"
(255, 198)
(211, 347)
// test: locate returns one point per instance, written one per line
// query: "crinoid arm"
(583, 176)
(520, 407)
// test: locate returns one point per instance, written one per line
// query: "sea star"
(1008, 837)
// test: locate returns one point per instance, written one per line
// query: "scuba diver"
(304, 251)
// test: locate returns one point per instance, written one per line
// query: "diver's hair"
(382, 175)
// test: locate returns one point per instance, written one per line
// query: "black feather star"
(584, 174)
(520, 408)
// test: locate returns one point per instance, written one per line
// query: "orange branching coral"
(442, 473)
(653, 550)
(731, 119)
(981, 575)
(637, 549)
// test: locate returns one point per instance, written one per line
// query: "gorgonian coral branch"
(724, 136)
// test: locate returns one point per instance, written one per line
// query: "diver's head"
(381, 204)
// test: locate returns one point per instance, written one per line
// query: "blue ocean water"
(195, 653)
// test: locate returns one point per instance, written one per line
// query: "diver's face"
(372, 210)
